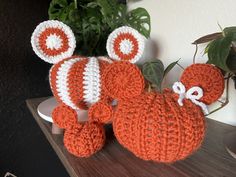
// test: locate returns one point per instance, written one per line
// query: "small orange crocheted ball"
(83, 140)
(206, 76)
(122, 80)
(154, 127)
(100, 112)
(64, 116)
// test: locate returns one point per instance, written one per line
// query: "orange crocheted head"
(122, 80)
(154, 127)
(83, 140)
(100, 112)
(206, 76)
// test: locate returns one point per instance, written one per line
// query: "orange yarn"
(206, 76)
(84, 140)
(119, 53)
(122, 80)
(43, 37)
(100, 112)
(64, 116)
(154, 127)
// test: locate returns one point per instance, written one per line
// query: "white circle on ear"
(53, 41)
(125, 44)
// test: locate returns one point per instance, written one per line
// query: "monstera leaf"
(140, 20)
(92, 21)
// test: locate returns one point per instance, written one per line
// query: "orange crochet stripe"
(100, 112)
(154, 127)
(206, 76)
(75, 83)
(84, 140)
(53, 52)
(119, 53)
(122, 80)
(64, 116)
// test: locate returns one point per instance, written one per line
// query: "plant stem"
(76, 6)
(194, 56)
(227, 96)
(180, 66)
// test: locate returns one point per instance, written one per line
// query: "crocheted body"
(206, 76)
(76, 81)
(154, 127)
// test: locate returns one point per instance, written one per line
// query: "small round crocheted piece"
(207, 77)
(84, 140)
(100, 112)
(122, 80)
(126, 44)
(64, 116)
(53, 41)
(154, 127)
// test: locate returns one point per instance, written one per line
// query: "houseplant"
(221, 51)
(93, 20)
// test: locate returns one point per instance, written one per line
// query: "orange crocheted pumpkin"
(206, 76)
(76, 81)
(154, 127)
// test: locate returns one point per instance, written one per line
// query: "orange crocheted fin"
(85, 139)
(122, 80)
(206, 76)
(64, 116)
(100, 112)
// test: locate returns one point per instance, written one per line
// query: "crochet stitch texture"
(206, 76)
(154, 127)
(83, 140)
(122, 80)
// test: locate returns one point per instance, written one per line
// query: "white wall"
(177, 23)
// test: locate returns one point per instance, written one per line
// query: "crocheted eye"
(53, 41)
(126, 44)
(122, 80)
(207, 77)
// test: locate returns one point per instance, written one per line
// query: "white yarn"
(91, 81)
(125, 46)
(194, 94)
(62, 82)
(51, 43)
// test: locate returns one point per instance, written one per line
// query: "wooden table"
(212, 160)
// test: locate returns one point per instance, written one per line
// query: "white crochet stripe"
(53, 24)
(50, 83)
(91, 81)
(125, 29)
(62, 82)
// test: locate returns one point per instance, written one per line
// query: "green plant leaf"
(140, 20)
(218, 51)
(170, 67)
(208, 38)
(231, 60)
(154, 72)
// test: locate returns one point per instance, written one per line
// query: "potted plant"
(221, 51)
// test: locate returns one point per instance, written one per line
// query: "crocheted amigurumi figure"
(168, 126)
(76, 81)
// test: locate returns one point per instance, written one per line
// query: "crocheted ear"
(53, 41)
(207, 77)
(126, 44)
(122, 80)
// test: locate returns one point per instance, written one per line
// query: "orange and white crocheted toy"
(168, 126)
(76, 81)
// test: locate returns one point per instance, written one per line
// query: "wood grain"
(211, 160)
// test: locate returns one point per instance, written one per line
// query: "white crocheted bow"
(193, 94)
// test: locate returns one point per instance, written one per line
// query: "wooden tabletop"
(212, 160)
